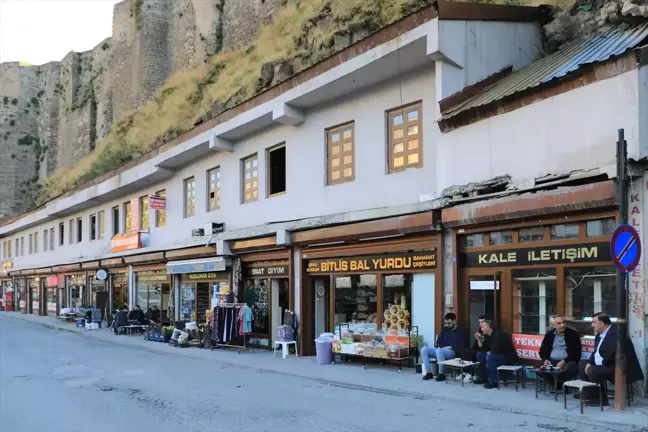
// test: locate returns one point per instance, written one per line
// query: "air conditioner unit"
(198, 232)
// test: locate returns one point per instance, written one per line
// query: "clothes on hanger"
(247, 319)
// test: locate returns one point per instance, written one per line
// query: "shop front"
(520, 275)
(380, 298)
(6, 287)
(265, 288)
(75, 287)
(34, 295)
(153, 294)
(20, 293)
(202, 284)
(51, 295)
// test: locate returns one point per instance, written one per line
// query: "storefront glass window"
(589, 290)
(501, 237)
(34, 288)
(474, 240)
(600, 227)
(20, 294)
(188, 302)
(564, 231)
(397, 291)
(256, 296)
(153, 296)
(530, 235)
(534, 300)
(120, 291)
(356, 299)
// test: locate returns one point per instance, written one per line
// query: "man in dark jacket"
(121, 320)
(502, 352)
(561, 347)
(448, 345)
(600, 366)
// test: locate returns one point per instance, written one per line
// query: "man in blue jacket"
(448, 346)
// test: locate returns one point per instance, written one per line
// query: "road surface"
(60, 382)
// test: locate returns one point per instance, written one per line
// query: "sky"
(40, 31)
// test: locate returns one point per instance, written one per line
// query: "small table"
(457, 364)
(580, 385)
(518, 371)
(284, 348)
(541, 383)
(128, 330)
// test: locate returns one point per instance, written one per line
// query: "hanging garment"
(225, 339)
(247, 319)
(216, 325)
(240, 321)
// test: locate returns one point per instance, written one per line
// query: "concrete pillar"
(449, 259)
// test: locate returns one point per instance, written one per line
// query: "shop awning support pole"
(622, 280)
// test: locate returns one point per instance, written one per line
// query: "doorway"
(484, 298)
(317, 305)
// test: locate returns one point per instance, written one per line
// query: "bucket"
(324, 350)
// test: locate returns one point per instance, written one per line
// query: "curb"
(481, 405)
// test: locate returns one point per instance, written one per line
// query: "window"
(276, 160)
(61, 234)
(213, 189)
(22, 245)
(93, 227)
(340, 154)
(36, 242)
(17, 249)
(405, 130)
(160, 215)
(71, 231)
(589, 290)
(79, 233)
(498, 238)
(396, 290)
(9, 248)
(52, 239)
(356, 298)
(250, 179)
(530, 235)
(31, 243)
(115, 221)
(189, 197)
(101, 218)
(535, 300)
(128, 223)
(564, 231)
(474, 240)
(600, 227)
(257, 296)
(45, 240)
(144, 213)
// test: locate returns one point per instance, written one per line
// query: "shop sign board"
(157, 202)
(52, 281)
(126, 242)
(375, 263)
(204, 276)
(134, 215)
(528, 346)
(267, 271)
(101, 275)
(77, 280)
(541, 255)
(152, 277)
(197, 267)
(625, 248)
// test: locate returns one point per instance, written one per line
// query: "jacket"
(121, 319)
(455, 338)
(607, 350)
(485, 343)
(501, 343)
(572, 340)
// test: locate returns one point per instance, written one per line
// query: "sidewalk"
(376, 379)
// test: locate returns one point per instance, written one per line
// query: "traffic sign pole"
(622, 280)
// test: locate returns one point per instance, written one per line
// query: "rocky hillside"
(172, 64)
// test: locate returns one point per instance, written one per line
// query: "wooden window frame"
(93, 230)
(101, 225)
(127, 212)
(79, 230)
(244, 171)
(52, 235)
(213, 204)
(187, 201)
(159, 213)
(144, 222)
(269, 170)
(46, 240)
(330, 157)
(403, 110)
(112, 220)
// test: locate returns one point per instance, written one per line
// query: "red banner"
(528, 346)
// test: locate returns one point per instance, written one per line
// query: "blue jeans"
(490, 362)
(440, 354)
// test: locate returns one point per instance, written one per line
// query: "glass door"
(484, 298)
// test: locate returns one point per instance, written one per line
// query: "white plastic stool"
(284, 348)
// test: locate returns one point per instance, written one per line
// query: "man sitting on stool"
(449, 343)
(502, 352)
(561, 347)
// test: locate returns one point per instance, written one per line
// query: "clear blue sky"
(40, 31)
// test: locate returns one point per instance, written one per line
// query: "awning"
(197, 266)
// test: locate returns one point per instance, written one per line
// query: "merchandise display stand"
(227, 345)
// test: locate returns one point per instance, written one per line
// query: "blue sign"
(625, 248)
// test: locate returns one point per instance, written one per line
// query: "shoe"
(428, 376)
(440, 377)
(490, 385)
(481, 381)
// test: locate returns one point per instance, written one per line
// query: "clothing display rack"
(227, 326)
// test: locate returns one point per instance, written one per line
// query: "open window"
(277, 170)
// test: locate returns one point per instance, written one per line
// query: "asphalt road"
(60, 382)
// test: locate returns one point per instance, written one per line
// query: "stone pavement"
(376, 379)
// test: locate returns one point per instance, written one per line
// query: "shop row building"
(445, 159)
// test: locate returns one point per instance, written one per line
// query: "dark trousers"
(488, 364)
(595, 374)
(568, 372)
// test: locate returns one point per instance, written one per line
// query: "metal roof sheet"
(571, 57)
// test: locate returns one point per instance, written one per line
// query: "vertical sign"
(636, 294)
(135, 215)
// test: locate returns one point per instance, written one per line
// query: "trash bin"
(324, 349)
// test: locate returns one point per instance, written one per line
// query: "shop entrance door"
(317, 301)
(484, 298)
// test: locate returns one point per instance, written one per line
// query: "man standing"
(561, 347)
(502, 352)
(449, 343)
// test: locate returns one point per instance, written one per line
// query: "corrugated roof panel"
(571, 57)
